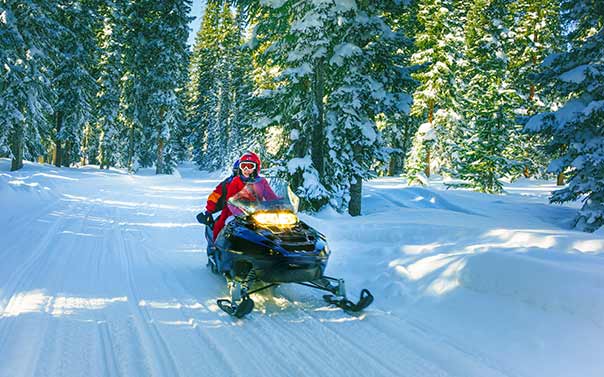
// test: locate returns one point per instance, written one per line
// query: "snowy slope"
(103, 274)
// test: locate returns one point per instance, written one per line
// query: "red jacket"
(215, 197)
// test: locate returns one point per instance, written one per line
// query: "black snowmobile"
(265, 244)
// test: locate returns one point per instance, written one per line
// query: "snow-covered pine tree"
(396, 124)
(327, 68)
(27, 32)
(166, 59)
(108, 96)
(229, 41)
(241, 126)
(536, 34)
(293, 40)
(201, 98)
(439, 45)
(366, 82)
(489, 99)
(73, 81)
(576, 122)
(134, 93)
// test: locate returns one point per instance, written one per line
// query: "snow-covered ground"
(103, 274)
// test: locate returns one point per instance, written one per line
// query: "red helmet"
(251, 157)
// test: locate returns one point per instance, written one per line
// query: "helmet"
(236, 168)
(251, 157)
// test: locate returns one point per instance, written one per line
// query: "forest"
(329, 92)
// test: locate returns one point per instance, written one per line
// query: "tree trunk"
(318, 131)
(560, 179)
(427, 168)
(356, 190)
(66, 159)
(526, 172)
(406, 142)
(16, 146)
(85, 144)
(131, 147)
(428, 145)
(159, 163)
(394, 167)
(57, 155)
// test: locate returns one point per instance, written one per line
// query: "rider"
(249, 167)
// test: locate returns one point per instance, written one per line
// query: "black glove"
(205, 218)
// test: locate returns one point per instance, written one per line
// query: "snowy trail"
(105, 275)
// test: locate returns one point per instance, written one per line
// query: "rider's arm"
(213, 199)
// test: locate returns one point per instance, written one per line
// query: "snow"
(575, 75)
(103, 274)
(343, 51)
(273, 3)
(426, 132)
(298, 163)
(310, 21)
(565, 114)
(549, 60)
(345, 5)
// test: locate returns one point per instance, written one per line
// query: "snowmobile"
(265, 244)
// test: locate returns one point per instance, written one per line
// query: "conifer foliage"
(439, 45)
(26, 31)
(93, 81)
(330, 70)
(219, 88)
(576, 127)
(329, 92)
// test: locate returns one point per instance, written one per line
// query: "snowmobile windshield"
(271, 203)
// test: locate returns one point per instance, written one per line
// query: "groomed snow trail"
(103, 274)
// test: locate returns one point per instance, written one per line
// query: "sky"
(196, 11)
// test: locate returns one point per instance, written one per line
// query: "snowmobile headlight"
(277, 219)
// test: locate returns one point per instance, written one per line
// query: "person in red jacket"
(249, 168)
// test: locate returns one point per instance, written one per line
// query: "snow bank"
(544, 281)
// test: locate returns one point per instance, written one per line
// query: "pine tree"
(576, 124)
(73, 80)
(167, 57)
(229, 42)
(241, 125)
(489, 98)
(536, 34)
(200, 91)
(108, 96)
(439, 46)
(27, 30)
(134, 92)
(292, 41)
(327, 71)
(396, 124)
(366, 83)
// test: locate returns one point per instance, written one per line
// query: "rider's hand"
(205, 218)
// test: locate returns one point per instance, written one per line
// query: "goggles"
(247, 165)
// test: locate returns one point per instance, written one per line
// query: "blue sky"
(196, 11)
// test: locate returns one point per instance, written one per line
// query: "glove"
(205, 218)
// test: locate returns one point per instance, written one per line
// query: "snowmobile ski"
(237, 310)
(342, 302)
